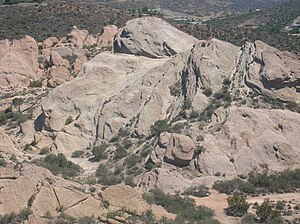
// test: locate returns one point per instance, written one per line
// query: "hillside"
(56, 18)
(196, 7)
(266, 25)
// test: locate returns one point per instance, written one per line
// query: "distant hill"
(56, 18)
(266, 25)
(198, 7)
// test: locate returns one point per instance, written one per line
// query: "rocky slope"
(167, 110)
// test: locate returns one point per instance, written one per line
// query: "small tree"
(238, 206)
(265, 212)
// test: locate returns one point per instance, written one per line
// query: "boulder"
(107, 36)
(124, 197)
(179, 148)
(273, 72)
(151, 37)
(79, 38)
(19, 62)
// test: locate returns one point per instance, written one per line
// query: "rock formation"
(227, 111)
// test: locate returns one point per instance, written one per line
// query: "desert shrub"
(36, 84)
(207, 91)
(159, 127)
(187, 104)
(266, 212)
(285, 181)
(3, 163)
(184, 208)
(129, 181)
(106, 177)
(229, 186)
(146, 218)
(17, 101)
(16, 218)
(131, 160)
(127, 143)
(135, 170)
(124, 132)
(197, 191)
(237, 205)
(77, 154)
(194, 114)
(99, 152)
(249, 219)
(44, 150)
(58, 164)
(69, 120)
(177, 128)
(226, 82)
(8, 114)
(175, 89)
(120, 152)
(149, 165)
(86, 220)
(280, 205)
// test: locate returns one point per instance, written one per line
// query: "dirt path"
(218, 202)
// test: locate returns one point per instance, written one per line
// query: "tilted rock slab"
(151, 37)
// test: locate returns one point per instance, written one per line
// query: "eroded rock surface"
(151, 37)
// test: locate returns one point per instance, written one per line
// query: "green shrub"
(207, 91)
(177, 128)
(106, 177)
(120, 152)
(226, 82)
(184, 208)
(36, 84)
(99, 152)
(285, 181)
(132, 160)
(197, 191)
(17, 101)
(159, 127)
(237, 205)
(3, 163)
(58, 164)
(266, 212)
(129, 181)
(77, 154)
(249, 219)
(69, 120)
(16, 218)
(175, 89)
(44, 151)
(194, 114)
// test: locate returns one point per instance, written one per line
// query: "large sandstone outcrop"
(251, 140)
(274, 72)
(151, 37)
(35, 187)
(114, 90)
(19, 62)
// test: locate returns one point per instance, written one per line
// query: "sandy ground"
(218, 202)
